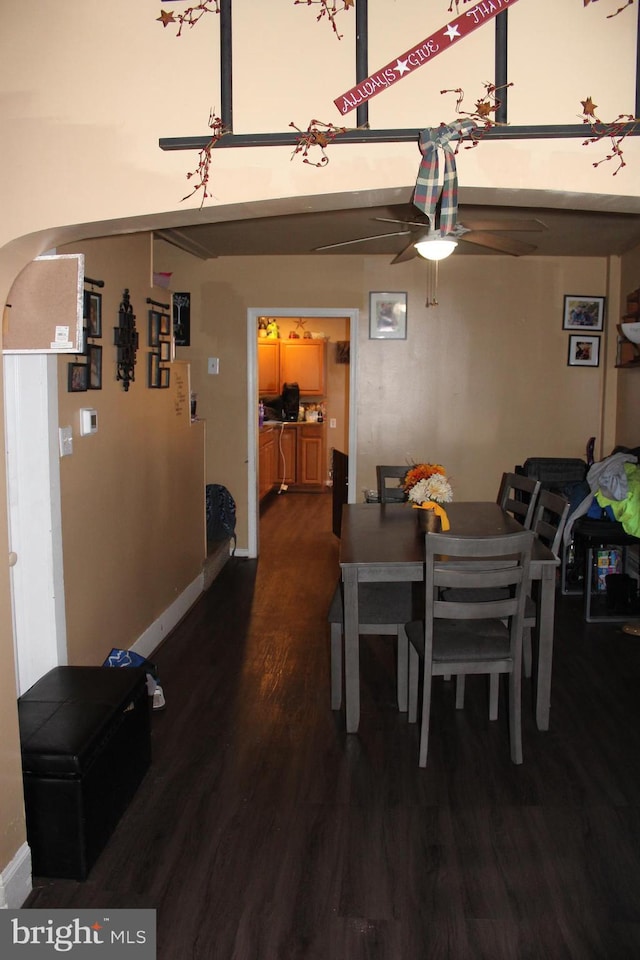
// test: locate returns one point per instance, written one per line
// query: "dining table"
(383, 542)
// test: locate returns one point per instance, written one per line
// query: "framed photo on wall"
(387, 316)
(93, 313)
(94, 354)
(584, 351)
(583, 313)
(77, 377)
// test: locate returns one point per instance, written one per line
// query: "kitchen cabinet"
(285, 454)
(268, 367)
(266, 462)
(304, 362)
(311, 455)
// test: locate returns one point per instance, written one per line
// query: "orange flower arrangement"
(421, 471)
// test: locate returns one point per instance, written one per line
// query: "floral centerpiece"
(427, 487)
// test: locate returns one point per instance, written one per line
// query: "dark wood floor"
(264, 832)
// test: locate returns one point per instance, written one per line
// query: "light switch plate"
(213, 365)
(66, 441)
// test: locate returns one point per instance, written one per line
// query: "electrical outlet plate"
(213, 365)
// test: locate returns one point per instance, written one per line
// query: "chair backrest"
(550, 518)
(518, 495)
(393, 492)
(477, 564)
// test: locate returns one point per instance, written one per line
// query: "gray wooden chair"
(548, 525)
(518, 496)
(457, 638)
(384, 609)
(391, 492)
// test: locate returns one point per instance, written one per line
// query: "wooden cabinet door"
(266, 463)
(268, 367)
(303, 362)
(311, 465)
(285, 454)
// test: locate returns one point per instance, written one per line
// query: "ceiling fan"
(483, 233)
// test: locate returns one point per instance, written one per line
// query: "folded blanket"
(626, 511)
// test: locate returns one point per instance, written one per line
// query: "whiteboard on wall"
(44, 310)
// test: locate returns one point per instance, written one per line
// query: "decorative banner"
(422, 53)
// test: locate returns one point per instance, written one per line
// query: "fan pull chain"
(432, 283)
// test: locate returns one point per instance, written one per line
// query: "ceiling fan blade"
(530, 225)
(414, 223)
(376, 236)
(516, 248)
(408, 253)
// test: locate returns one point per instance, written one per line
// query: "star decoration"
(166, 17)
(452, 32)
(401, 67)
(96, 926)
(589, 107)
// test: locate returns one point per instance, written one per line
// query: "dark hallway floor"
(263, 832)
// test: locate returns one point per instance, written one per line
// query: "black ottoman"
(86, 744)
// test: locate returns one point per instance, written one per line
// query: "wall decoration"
(154, 328)
(318, 134)
(77, 377)
(583, 313)
(329, 10)
(387, 316)
(93, 313)
(125, 338)
(584, 351)
(190, 16)
(94, 354)
(423, 52)
(201, 173)
(182, 319)
(343, 351)
(623, 126)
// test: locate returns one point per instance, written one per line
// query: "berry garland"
(188, 17)
(328, 9)
(317, 134)
(616, 132)
(204, 159)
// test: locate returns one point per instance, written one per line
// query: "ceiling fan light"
(436, 248)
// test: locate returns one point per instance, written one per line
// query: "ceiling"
(282, 229)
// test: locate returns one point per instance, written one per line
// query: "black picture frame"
(154, 327)
(165, 325)
(165, 351)
(165, 376)
(94, 357)
(77, 377)
(93, 313)
(583, 314)
(182, 319)
(584, 351)
(154, 369)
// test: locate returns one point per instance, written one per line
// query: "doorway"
(317, 314)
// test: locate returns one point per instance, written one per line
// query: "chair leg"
(402, 668)
(527, 656)
(515, 713)
(460, 691)
(414, 668)
(494, 695)
(426, 711)
(336, 666)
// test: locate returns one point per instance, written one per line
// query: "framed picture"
(154, 369)
(77, 377)
(94, 354)
(583, 313)
(584, 351)
(182, 319)
(387, 316)
(165, 350)
(165, 373)
(93, 313)
(155, 320)
(165, 324)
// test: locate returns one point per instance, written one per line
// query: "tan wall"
(480, 383)
(132, 494)
(89, 88)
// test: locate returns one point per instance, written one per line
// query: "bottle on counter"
(260, 413)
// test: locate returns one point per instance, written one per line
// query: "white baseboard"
(15, 880)
(156, 633)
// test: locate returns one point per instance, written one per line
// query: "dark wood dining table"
(381, 542)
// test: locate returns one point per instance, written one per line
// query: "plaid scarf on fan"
(431, 188)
